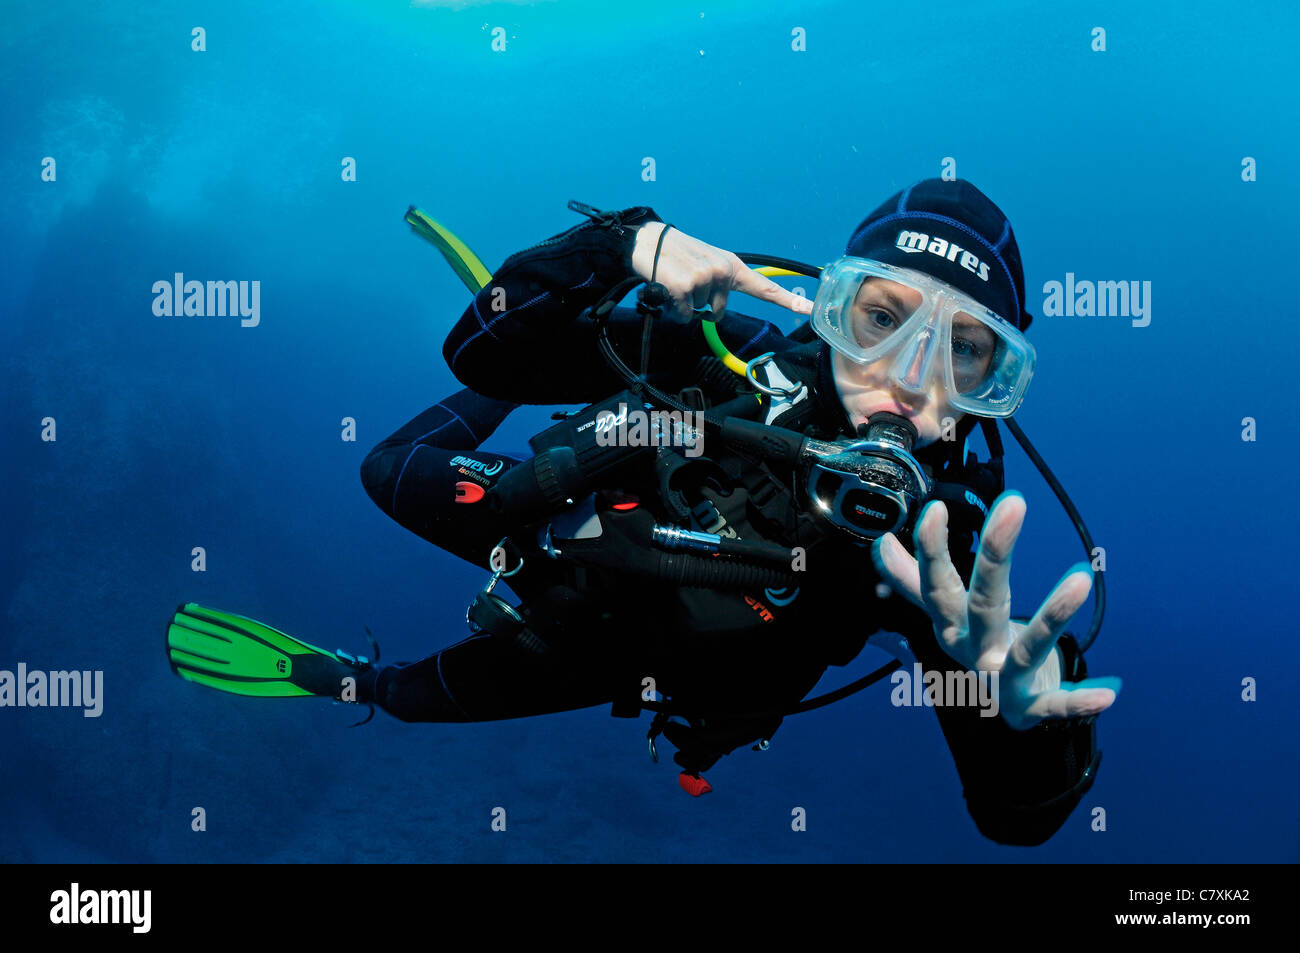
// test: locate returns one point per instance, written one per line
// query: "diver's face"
(910, 386)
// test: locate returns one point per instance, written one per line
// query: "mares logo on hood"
(478, 466)
(914, 242)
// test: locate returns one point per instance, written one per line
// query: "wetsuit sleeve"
(524, 337)
(1020, 786)
(425, 477)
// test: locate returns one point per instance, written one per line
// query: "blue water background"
(183, 432)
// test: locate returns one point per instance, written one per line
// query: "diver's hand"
(976, 630)
(697, 274)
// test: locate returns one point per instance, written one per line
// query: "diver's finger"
(1076, 700)
(690, 284)
(701, 296)
(681, 295)
(942, 588)
(989, 605)
(747, 281)
(708, 279)
(898, 570)
(723, 281)
(1039, 636)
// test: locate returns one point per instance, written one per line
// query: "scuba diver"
(710, 534)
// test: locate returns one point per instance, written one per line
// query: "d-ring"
(765, 388)
(500, 574)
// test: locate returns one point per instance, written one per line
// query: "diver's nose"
(911, 369)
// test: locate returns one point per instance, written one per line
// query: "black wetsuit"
(755, 650)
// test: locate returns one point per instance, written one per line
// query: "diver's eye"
(873, 325)
(968, 350)
(881, 319)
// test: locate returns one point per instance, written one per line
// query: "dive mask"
(871, 311)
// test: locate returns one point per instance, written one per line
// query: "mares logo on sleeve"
(477, 468)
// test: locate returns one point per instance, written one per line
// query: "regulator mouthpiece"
(870, 486)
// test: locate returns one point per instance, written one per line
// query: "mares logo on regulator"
(870, 486)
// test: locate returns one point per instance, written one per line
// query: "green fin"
(463, 261)
(239, 655)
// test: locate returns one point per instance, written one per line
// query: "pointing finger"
(750, 282)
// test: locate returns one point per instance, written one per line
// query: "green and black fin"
(235, 654)
(464, 262)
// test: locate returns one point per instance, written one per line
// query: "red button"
(468, 492)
